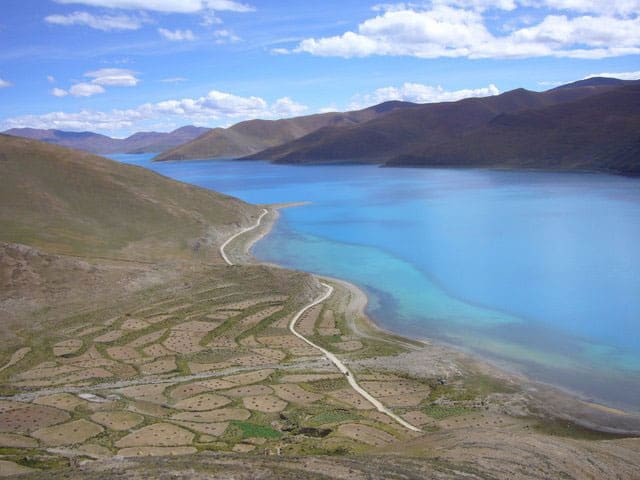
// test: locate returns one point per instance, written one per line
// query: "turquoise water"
(536, 271)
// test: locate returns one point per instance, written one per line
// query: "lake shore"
(427, 359)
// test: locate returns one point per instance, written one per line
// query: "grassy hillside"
(252, 136)
(63, 201)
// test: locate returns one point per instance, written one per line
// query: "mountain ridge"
(139, 142)
(252, 136)
(433, 134)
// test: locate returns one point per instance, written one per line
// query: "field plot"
(213, 416)
(157, 435)
(63, 401)
(365, 434)
(25, 418)
(292, 392)
(203, 401)
(264, 403)
(117, 420)
(241, 391)
(70, 433)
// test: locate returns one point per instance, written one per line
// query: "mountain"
(140, 142)
(252, 136)
(440, 134)
(596, 82)
(87, 141)
(65, 201)
(597, 133)
(153, 142)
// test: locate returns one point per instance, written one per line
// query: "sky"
(121, 66)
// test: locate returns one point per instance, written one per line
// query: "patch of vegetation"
(326, 385)
(332, 416)
(251, 430)
(444, 411)
(42, 463)
(563, 428)
(485, 384)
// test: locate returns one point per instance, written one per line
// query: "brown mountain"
(403, 134)
(140, 142)
(252, 136)
(597, 133)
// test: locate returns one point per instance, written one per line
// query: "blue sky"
(120, 66)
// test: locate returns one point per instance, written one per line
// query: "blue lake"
(539, 272)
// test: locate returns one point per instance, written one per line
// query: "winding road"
(234, 236)
(172, 379)
(332, 358)
(341, 366)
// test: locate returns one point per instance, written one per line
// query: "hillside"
(401, 137)
(598, 133)
(64, 201)
(140, 142)
(252, 136)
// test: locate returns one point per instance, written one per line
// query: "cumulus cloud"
(51, 79)
(113, 77)
(620, 75)
(167, 6)
(419, 93)
(98, 22)
(59, 92)
(103, 77)
(445, 31)
(85, 89)
(177, 35)
(5, 83)
(215, 106)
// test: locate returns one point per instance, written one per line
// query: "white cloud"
(98, 22)
(479, 5)
(167, 6)
(610, 7)
(113, 77)
(51, 79)
(285, 107)
(59, 92)
(209, 18)
(85, 89)
(177, 35)
(419, 93)
(5, 83)
(225, 36)
(173, 80)
(215, 106)
(83, 120)
(620, 75)
(443, 31)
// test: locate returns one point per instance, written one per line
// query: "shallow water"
(538, 271)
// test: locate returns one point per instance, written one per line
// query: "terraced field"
(212, 368)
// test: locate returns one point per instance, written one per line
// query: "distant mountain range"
(141, 142)
(253, 136)
(587, 125)
(590, 125)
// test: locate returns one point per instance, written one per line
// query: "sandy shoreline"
(548, 399)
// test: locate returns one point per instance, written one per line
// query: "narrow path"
(159, 379)
(341, 366)
(244, 230)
